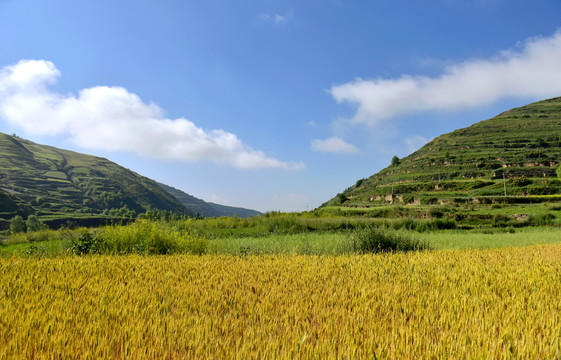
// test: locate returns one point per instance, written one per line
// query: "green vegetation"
(17, 225)
(518, 150)
(449, 194)
(49, 182)
(143, 237)
(373, 240)
(277, 233)
(60, 186)
(33, 224)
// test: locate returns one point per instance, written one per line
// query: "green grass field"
(160, 237)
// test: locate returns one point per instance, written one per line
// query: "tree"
(34, 224)
(17, 225)
(342, 198)
(395, 160)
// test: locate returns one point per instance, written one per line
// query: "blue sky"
(269, 105)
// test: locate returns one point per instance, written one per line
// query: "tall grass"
(142, 236)
(373, 240)
(298, 235)
(324, 243)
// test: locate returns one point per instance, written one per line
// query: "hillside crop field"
(512, 158)
(501, 303)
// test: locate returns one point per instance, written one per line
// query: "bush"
(39, 250)
(86, 243)
(408, 199)
(17, 225)
(429, 201)
(500, 220)
(39, 236)
(34, 224)
(342, 198)
(374, 240)
(521, 181)
(406, 223)
(436, 213)
(443, 224)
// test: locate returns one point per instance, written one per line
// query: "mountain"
(52, 182)
(519, 150)
(207, 209)
(235, 211)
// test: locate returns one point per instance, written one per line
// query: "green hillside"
(519, 150)
(51, 182)
(207, 209)
(234, 211)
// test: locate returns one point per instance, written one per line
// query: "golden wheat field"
(448, 304)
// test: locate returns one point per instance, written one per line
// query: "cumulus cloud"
(333, 145)
(112, 118)
(533, 69)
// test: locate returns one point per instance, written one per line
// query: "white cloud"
(333, 145)
(533, 70)
(416, 142)
(112, 118)
(277, 19)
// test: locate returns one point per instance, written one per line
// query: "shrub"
(436, 212)
(38, 236)
(429, 201)
(521, 181)
(406, 223)
(500, 220)
(87, 243)
(34, 224)
(374, 240)
(342, 198)
(442, 224)
(39, 250)
(408, 199)
(17, 224)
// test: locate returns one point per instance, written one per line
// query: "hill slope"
(45, 180)
(519, 149)
(207, 209)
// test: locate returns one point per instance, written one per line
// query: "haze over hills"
(519, 150)
(207, 209)
(51, 182)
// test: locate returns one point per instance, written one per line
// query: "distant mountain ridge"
(57, 183)
(518, 150)
(207, 209)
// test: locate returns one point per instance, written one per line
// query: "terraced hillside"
(518, 150)
(48, 181)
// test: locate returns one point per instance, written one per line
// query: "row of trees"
(18, 225)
